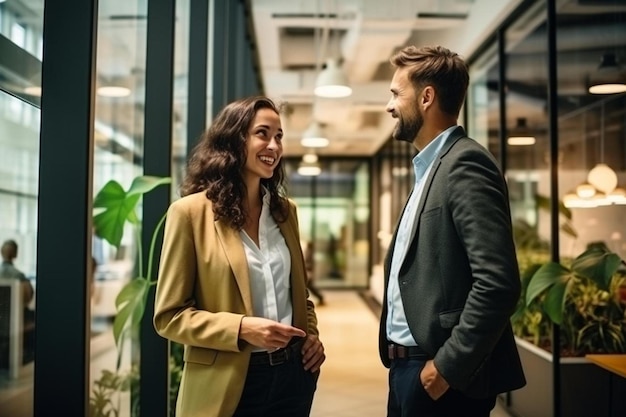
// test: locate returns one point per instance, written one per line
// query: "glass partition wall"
(333, 212)
(141, 121)
(592, 125)
(562, 145)
(527, 140)
(591, 134)
(118, 132)
(20, 81)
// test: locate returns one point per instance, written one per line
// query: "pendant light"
(609, 78)
(309, 167)
(113, 91)
(617, 196)
(332, 82)
(521, 135)
(313, 137)
(584, 191)
(602, 177)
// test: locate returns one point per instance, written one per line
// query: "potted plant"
(584, 296)
(114, 210)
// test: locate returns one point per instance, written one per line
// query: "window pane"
(19, 167)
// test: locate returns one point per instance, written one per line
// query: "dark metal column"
(154, 382)
(221, 46)
(240, 48)
(553, 134)
(198, 65)
(502, 98)
(65, 209)
(234, 71)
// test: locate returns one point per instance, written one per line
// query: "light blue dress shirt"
(397, 328)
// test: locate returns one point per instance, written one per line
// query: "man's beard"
(407, 129)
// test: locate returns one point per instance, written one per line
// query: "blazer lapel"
(290, 239)
(234, 251)
(455, 135)
(289, 229)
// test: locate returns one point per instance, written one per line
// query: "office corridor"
(353, 382)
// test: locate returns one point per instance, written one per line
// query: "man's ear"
(427, 97)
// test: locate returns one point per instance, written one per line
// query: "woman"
(232, 280)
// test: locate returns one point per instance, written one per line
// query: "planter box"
(585, 387)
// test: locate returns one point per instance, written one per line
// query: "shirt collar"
(266, 196)
(426, 156)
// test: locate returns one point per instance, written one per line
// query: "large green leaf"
(130, 304)
(118, 206)
(544, 202)
(142, 185)
(598, 265)
(549, 274)
(109, 223)
(554, 303)
(568, 229)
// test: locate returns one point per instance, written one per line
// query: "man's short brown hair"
(439, 67)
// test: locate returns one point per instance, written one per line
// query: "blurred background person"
(8, 270)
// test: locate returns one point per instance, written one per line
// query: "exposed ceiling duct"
(296, 37)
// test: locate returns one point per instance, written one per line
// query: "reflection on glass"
(333, 211)
(527, 145)
(482, 101)
(21, 30)
(118, 155)
(19, 167)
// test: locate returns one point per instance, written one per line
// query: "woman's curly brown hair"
(217, 162)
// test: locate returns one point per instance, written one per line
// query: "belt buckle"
(391, 351)
(281, 357)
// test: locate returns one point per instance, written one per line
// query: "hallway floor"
(353, 382)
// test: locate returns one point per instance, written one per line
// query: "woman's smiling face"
(264, 144)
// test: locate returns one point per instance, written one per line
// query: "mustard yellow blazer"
(203, 292)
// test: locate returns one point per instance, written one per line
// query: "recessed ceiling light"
(309, 158)
(521, 140)
(314, 142)
(521, 135)
(33, 90)
(311, 170)
(113, 91)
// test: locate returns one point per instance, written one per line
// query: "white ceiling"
(294, 38)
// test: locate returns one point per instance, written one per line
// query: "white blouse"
(269, 266)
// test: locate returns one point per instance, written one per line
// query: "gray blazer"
(460, 280)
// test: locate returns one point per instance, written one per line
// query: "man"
(451, 273)
(8, 270)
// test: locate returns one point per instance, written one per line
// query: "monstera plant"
(116, 211)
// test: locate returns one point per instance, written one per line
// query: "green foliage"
(105, 397)
(595, 265)
(583, 296)
(529, 322)
(114, 209)
(119, 206)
